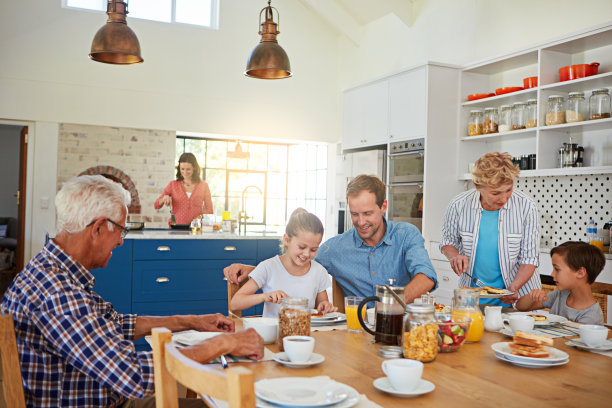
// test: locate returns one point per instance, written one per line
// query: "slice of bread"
(527, 351)
(529, 339)
(495, 290)
(538, 318)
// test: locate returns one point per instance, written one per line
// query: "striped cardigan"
(519, 234)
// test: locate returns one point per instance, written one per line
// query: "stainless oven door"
(406, 167)
(405, 204)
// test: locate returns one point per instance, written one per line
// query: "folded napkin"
(329, 327)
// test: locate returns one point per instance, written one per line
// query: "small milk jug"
(493, 318)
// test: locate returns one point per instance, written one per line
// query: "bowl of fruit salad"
(452, 332)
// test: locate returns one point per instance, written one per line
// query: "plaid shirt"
(75, 350)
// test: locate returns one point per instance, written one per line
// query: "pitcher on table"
(465, 303)
(389, 315)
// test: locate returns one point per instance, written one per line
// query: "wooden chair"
(12, 383)
(234, 384)
(337, 296)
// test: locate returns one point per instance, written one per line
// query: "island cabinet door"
(180, 286)
(200, 249)
(114, 282)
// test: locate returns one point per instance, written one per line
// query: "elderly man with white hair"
(75, 350)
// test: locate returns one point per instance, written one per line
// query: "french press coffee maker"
(389, 315)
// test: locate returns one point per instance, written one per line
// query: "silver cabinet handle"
(163, 248)
(229, 248)
(445, 278)
(162, 279)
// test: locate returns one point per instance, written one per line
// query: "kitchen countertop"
(181, 234)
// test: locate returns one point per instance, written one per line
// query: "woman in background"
(188, 196)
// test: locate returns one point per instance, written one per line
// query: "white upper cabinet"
(408, 105)
(365, 115)
(386, 110)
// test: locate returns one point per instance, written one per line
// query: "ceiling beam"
(337, 17)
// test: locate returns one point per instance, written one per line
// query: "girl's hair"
(191, 159)
(579, 254)
(302, 220)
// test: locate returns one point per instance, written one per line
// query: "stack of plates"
(329, 318)
(504, 353)
(300, 392)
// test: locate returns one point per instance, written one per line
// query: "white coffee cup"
(371, 314)
(520, 322)
(403, 374)
(298, 348)
(593, 335)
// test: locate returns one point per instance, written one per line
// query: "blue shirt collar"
(386, 239)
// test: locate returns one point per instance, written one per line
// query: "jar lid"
(390, 352)
(420, 308)
(600, 90)
(532, 101)
(490, 109)
(575, 94)
(519, 104)
(476, 111)
(506, 106)
(555, 97)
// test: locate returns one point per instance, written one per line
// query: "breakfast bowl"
(578, 71)
(508, 89)
(266, 327)
(474, 97)
(452, 333)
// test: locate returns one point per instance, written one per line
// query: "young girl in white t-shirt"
(295, 273)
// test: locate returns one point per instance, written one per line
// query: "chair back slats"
(11, 372)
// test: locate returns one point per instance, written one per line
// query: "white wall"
(191, 79)
(463, 31)
(9, 169)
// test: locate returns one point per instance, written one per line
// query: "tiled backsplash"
(566, 203)
(146, 156)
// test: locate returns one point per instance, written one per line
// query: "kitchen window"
(288, 175)
(203, 13)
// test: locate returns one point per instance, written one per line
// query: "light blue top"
(358, 267)
(486, 259)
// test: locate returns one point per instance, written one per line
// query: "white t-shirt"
(271, 275)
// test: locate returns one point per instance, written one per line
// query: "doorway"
(13, 165)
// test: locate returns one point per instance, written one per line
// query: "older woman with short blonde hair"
(492, 232)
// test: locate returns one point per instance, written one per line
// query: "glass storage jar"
(420, 333)
(465, 303)
(532, 113)
(600, 104)
(519, 112)
(505, 118)
(293, 319)
(491, 121)
(476, 123)
(576, 107)
(555, 112)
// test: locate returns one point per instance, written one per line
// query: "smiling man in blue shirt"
(372, 252)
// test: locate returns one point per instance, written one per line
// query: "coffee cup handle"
(384, 368)
(506, 323)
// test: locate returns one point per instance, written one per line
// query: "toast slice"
(529, 339)
(495, 291)
(529, 351)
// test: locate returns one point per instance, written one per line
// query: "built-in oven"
(405, 186)
(406, 161)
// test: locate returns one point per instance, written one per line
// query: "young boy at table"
(576, 265)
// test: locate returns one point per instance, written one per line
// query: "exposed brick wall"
(144, 157)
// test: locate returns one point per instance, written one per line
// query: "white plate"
(192, 337)
(339, 319)
(529, 364)
(496, 295)
(284, 360)
(580, 344)
(555, 355)
(424, 387)
(327, 316)
(550, 318)
(304, 392)
(510, 333)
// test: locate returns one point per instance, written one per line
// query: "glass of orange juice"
(350, 308)
(465, 303)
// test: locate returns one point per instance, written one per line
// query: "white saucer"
(580, 344)
(284, 360)
(424, 387)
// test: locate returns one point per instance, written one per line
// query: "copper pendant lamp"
(268, 60)
(115, 42)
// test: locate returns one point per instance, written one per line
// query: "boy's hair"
(579, 254)
(364, 182)
(302, 220)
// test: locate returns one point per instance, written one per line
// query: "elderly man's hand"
(213, 322)
(236, 273)
(247, 343)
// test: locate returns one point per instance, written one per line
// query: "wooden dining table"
(469, 377)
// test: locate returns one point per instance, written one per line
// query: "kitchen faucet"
(242, 215)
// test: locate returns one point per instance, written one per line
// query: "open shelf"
(556, 172)
(514, 134)
(578, 85)
(599, 124)
(504, 99)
